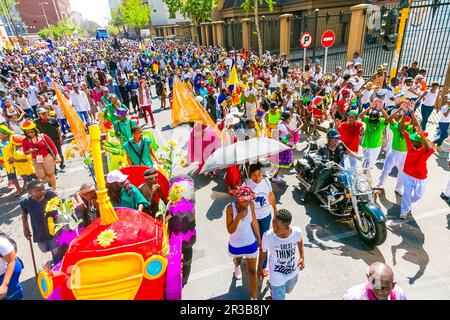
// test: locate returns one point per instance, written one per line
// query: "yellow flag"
(143, 46)
(186, 108)
(76, 124)
(233, 80)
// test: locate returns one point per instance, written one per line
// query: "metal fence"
(427, 38)
(317, 24)
(232, 35)
(270, 35)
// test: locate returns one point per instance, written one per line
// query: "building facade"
(37, 14)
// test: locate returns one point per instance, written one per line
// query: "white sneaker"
(253, 298)
(237, 273)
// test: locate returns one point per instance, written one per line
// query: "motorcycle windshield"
(357, 180)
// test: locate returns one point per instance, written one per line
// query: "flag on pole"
(233, 80)
(143, 46)
(76, 125)
(186, 108)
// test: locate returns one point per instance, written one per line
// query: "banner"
(186, 108)
(76, 124)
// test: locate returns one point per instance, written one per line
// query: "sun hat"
(5, 129)
(278, 85)
(231, 120)
(120, 112)
(317, 100)
(17, 140)
(369, 85)
(27, 125)
(419, 76)
(211, 90)
(116, 176)
(345, 91)
(86, 187)
(235, 112)
(352, 82)
(245, 194)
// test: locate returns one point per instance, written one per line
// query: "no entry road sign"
(328, 39)
(305, 40)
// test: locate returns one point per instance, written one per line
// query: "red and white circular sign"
(328, 38)
(305, 40)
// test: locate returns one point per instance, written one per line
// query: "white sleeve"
(265, 242)
(5, 246)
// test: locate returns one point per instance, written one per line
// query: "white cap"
(116, 176)
(352, 81)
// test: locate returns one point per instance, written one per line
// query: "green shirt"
(373, 137)
(123, 129)
(139, 154)
(110, 115)
(398, 139)
(131, 200)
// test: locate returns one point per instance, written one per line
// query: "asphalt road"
(335, 257)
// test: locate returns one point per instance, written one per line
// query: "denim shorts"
(279, 292)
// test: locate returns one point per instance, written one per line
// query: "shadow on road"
(322, 226)
(412, 242)
(31, 290)
(442, 162)
(235, 292)
(9, 208)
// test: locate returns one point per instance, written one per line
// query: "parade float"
(125, 254)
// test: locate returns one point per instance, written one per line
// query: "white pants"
(350, 161)
(371, 156)
(447, 189)
(250, 108)
(393, 159)
(388, 147)
(413, 190)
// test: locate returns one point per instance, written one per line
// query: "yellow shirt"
(23, 168)
(8, 153)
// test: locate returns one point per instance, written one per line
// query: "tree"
(90, 26)
(252, 5)
(197, 10)
(136, 13)
(6, 10)
(117, 19)
(65, 28)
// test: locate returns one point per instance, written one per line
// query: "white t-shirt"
(263, 208)
(32, 95)
(5, 248)
(359, 292)
(430, 98)
(388, 96)
(442, 117)
(273, 81)
(408, 94)
(282, 255)
(23, 103)
(365, 96)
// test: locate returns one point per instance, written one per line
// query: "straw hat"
(231, 120)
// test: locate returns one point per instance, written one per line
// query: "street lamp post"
(43, 10)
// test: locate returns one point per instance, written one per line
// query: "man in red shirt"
(350, 131)
(415, 169)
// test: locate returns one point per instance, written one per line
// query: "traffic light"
(389, 29)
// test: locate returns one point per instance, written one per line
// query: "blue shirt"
(132, 87)
(36, 210)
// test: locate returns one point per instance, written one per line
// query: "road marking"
(228, 266)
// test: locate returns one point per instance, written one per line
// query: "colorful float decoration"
(125, 254)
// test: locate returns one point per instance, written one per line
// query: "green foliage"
(116, 18)
(249, 5)
(6, 7)
(135, 13)
(64, 28)
(196, 10)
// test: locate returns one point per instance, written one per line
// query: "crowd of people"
(112, 82)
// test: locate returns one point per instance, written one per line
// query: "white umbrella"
(243, 151)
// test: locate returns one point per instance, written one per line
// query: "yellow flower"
(51, 226)
(172, 143)
(183, 162)
(106, 237)
(52, 204)
(175, 193)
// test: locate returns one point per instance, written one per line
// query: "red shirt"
(41, 146)
(343, 106)
(416, 160)
(350, 134)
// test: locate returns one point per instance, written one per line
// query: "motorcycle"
(347, 194)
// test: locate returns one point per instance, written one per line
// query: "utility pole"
(45, 14)
(9, 18)
(315, 33)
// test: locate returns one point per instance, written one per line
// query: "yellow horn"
(107, 212)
